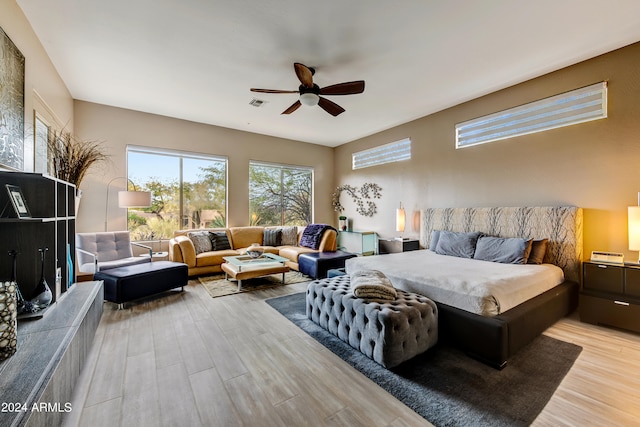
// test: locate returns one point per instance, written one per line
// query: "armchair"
(106, 250)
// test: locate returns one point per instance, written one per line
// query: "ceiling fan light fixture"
(309, 99)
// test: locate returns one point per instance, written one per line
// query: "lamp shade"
(400, 219)
(134, 199)
(634, 228)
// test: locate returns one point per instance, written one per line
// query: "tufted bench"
(388, 332)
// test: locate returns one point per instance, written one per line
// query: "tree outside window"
(280, 195)
(187, 191)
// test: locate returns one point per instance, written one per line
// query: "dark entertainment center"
(36, 382)
(51, 203)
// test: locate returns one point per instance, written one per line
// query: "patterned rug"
(218, 286)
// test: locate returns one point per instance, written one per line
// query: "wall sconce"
(400, 218)
(127, 199)
(633, 218)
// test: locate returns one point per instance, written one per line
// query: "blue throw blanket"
(312, 235)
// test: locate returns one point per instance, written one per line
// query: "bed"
(492, 325)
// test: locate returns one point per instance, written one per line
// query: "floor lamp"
(127, 199)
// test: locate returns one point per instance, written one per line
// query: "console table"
(36, 383)
(358, 242)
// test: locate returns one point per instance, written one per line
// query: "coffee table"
(244, 267)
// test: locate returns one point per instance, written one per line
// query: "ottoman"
(128, 283)
(317, 264)
(389, 332)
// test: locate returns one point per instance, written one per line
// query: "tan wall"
(44, 91)
(119, 127)
(595, 165)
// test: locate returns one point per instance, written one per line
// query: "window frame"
(283, 166)
(182, 155)
(538, 116)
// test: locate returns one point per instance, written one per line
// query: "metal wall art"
(11, 104)
(360, 196)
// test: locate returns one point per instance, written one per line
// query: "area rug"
(448, 388)
(218, 286)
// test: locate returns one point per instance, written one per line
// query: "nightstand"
(610, 295)
(390, 246)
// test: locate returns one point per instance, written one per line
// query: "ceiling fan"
(310, 92)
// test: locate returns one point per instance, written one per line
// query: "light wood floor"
(187, 359)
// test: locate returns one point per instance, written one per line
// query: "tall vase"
(77, 201)
(8, 320)
(22, 305)
(69, 267)
(42, 292)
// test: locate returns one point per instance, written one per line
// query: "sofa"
(182, 247)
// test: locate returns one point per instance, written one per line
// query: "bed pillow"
(504, 250)
(219, 240)
(538, 250)
(272, 237)
(201, 241)
(453, 243)
(435, 236)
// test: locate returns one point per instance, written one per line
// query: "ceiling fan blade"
(330, 107)
(348, 88)
(272, 90)
(304, 73)
(293, 108)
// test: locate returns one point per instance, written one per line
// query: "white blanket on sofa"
(480, 287)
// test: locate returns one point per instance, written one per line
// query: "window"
(387, 153)
(577, 106)
(187, 191)
(280, 195)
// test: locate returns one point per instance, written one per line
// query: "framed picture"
(11, 104)
(17, 200)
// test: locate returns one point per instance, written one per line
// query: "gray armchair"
(105, 250)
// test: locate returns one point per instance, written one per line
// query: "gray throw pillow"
(201, 241)
(538, 250)
(272, 237)
(453, 243)
(219, 240)
(504, 250)
(435, 236)
(289, 236)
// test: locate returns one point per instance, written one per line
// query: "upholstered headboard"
(562, 225)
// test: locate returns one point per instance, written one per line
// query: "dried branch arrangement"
(71, 157)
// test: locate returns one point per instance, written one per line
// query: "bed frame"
(495, 339)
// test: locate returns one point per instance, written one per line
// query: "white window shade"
(387, 153)
(577, 106)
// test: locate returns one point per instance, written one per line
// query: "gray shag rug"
(447, 387)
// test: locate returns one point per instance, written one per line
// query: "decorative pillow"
(289, 236)
(272, 237)
(435, 236)
(505, 250)
(201, 241)
(538, 250)
(453, 243)
(219, 240)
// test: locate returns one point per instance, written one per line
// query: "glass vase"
(42, 292)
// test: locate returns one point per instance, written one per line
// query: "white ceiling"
(197, 59)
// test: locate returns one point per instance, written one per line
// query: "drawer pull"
(620, 302)
(602, 266)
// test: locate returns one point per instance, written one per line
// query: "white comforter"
(480, 287)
